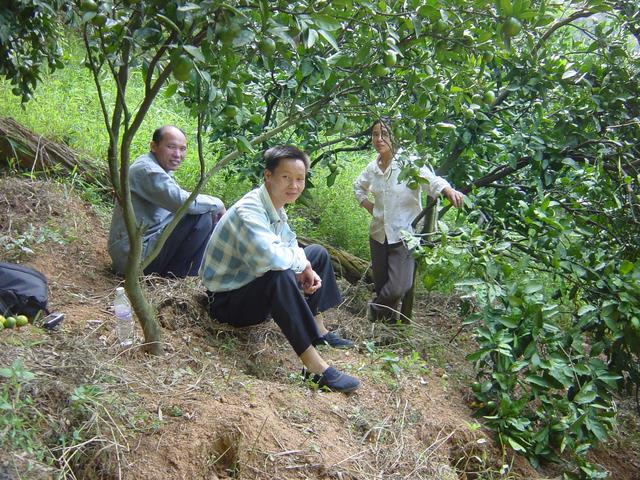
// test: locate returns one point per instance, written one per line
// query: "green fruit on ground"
(489, 97)
(230, 111)
(22, 320)
(381, 70)
(390, 58)
(10, 322)
(476, 387)
(267, 46)
(2, 320)
(512, 27)
(182, 66)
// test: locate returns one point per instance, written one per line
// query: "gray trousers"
(392, 266)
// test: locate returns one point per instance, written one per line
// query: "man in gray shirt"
(156, 197)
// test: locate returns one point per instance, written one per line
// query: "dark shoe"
(333, 340)
(333, 380)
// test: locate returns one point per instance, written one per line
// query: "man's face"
(171, 149)
(286, 182)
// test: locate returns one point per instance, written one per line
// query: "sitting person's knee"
(316, 253)
(284, 277)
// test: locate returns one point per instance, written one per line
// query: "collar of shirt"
(398, 157)
(276, 216)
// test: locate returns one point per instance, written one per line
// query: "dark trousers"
(392, 266)
(277, 293)
(182, 253)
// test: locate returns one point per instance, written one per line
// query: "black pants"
(182, 253)
(277, 293)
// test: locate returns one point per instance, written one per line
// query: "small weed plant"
(18, 412)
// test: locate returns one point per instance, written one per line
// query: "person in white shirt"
(393, 209)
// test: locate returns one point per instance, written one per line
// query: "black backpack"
(23, 291)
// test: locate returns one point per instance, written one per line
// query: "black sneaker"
(333, 340)
(333, 379)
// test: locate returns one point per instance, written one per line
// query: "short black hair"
(159, 132)
(273, 156)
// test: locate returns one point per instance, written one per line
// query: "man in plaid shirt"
(254, 267)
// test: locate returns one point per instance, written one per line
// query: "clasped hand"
(309, 280)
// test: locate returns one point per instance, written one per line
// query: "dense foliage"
(28, 43)
(530, 106)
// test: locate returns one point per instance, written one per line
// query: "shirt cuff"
(299, 261)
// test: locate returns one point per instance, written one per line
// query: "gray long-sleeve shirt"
(155, 196)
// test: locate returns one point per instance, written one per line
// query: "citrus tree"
(532, 109)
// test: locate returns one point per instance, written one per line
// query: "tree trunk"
(34, 152)
(351, 268)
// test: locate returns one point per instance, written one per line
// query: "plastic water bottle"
(124, 318)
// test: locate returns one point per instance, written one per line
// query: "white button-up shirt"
(395, 205)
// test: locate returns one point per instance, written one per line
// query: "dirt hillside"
(221, 402)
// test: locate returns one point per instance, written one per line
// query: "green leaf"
(504, 7)
(195, 52)
(477, 355)
(626, 267)
(189, 7)
(245, 37)
(169, 23)
(537, 380)
(170, 90)
(312, 36)
(325, 22)
(596, 427)
(533, 287)
(586, 309)
(243, 145)
(515, 444)
(587, 394)
(329, 38)
(508, 322)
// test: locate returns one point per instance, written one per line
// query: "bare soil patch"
(223, 402)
